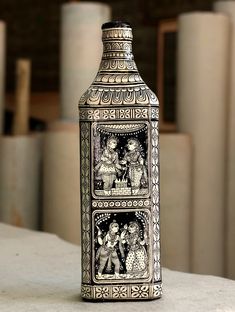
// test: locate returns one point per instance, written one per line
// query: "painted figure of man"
(109, 166)
(107, 252)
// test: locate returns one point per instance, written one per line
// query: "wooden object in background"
(203, 54)
(176, 196)
(44, 105)
(165, 28)
(2, 72)
(21, 116)
(228, 7)
(81, 51)
(61, 180)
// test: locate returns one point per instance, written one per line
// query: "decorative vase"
(119, 177)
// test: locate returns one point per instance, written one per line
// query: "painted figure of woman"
(107, 252)
(109, 166)
(135, 163)
(137, 259)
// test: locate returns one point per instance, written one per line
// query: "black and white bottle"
(119, 177)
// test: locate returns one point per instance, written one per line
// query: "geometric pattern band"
(94, 114)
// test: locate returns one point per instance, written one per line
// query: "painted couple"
(110, 166)
(135, 259)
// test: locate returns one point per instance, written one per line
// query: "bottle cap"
(116, 24)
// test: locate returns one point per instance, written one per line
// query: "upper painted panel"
(120, 160)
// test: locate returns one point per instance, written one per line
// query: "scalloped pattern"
(109, 95)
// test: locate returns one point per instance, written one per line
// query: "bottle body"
(119, 178)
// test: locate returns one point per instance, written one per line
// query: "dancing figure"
(107, 252)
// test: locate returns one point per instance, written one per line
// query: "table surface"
(40, 272)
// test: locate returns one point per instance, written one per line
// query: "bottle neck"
(117, 82)
(117, 50)
(121, 50)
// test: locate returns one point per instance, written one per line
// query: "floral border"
(85, 201)
(122, 292)
(155, 198)
(94, 114)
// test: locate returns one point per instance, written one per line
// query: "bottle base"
(121, 292)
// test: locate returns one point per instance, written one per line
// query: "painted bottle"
(119, 177)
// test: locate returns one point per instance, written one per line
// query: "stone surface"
(40, 272)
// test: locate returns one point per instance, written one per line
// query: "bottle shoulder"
(118, 88)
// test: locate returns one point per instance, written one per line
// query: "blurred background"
(185, 52)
